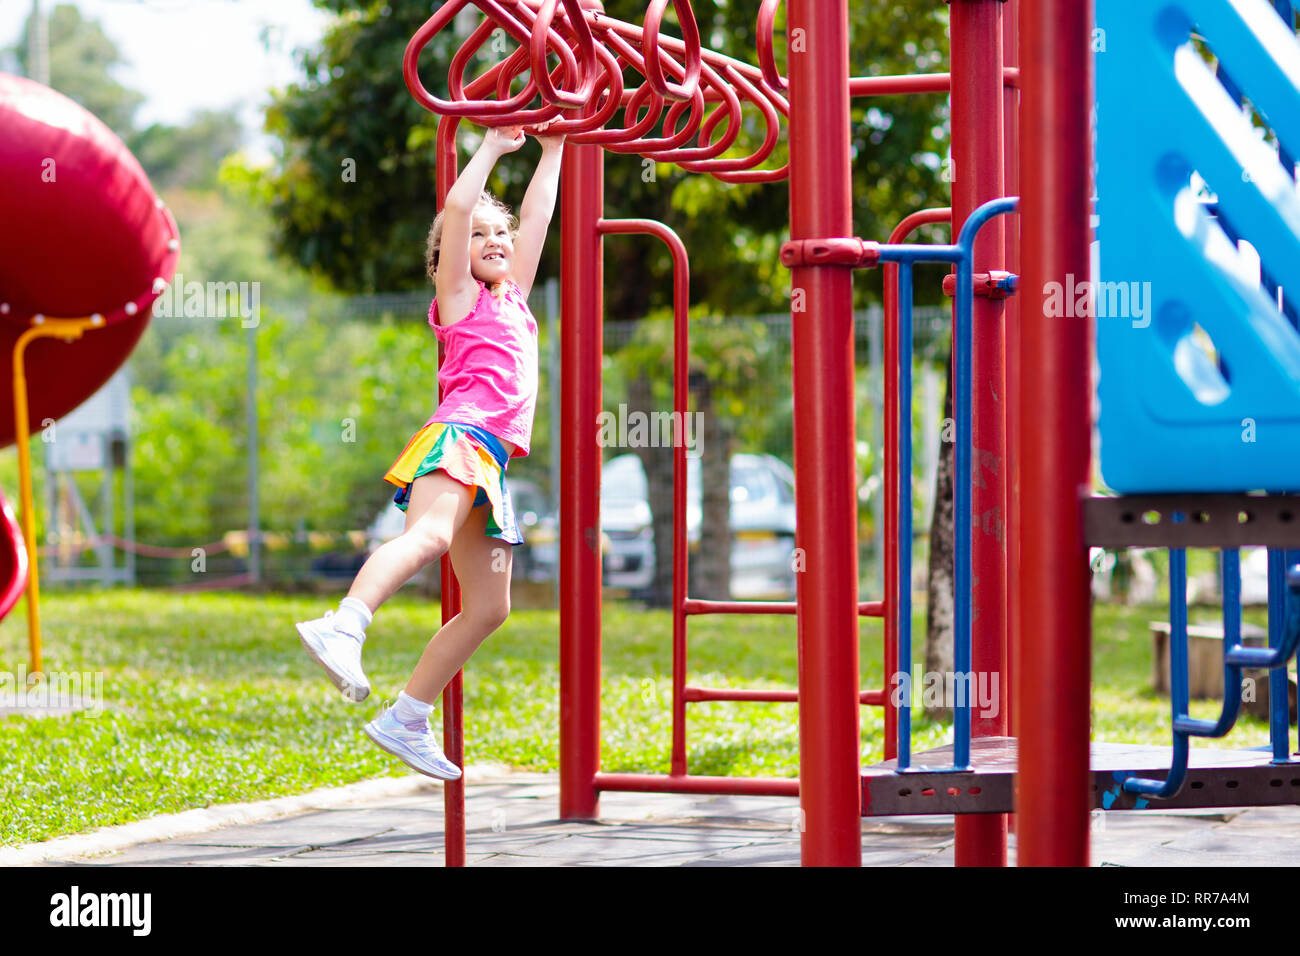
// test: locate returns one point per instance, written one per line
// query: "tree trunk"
(939, 593)
(711, 565)
(658, 465)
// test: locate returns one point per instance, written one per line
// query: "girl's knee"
(432, 541)
(491, 616)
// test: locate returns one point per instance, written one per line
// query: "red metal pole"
(1011, 337)
(660, 783)
(453, 733)
(1053, 677)
(582, 196)
(977, 94)
(830, 789)
(453, 725)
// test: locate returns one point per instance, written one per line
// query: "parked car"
(532, 512)
(762, 524)
(537, 521)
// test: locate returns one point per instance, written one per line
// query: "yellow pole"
(67, 329)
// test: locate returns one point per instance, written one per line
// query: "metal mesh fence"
(240, 428)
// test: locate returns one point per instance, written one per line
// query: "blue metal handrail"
(1231, 670)
(1284, 635)
(1283, 627)
(904, 595)
(959, 254)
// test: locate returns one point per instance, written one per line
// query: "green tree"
(82, 60)
(188, 156)
(368, 234)
(334, 404)
(366, 231)
(731, 365)
(353, 192)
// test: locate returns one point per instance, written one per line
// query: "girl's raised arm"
(454, 276)
(535, 211)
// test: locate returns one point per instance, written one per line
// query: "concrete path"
(512, 821)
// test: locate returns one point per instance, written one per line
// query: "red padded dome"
(84, 235)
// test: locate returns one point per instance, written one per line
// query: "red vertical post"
(582, 197)
(1011, 338)
(977, 133)
(453, 736)
(1011, 324)
(1053, 676)
(453, 718)
(825, 466)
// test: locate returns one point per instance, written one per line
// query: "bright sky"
(189, 54)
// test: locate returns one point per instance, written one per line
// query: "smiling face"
(491, 248)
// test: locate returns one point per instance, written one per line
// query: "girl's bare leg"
(438, 507)
(483, 568)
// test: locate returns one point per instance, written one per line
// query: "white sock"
(411, 712)
(352, 618)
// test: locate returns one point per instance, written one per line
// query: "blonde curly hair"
(485, 199)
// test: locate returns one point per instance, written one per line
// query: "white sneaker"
(418, 749)
(338, 653)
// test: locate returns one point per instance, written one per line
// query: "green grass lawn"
(210, 699)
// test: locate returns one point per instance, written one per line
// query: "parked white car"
(532, 560)
(762, 524)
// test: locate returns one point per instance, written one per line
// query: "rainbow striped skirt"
(470, 455)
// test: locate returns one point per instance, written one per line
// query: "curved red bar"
(671, 142)
(13, 559)
(654, 16)
(505, 112)
(754, 158)
(593, 50)
(501, 76)
(626, 143)
(766, 56)
(410, 69)
(715, 88)
(538, 48)
(730, 108)
(582, 130)
(456, 72)
(577, 128)
(629, 54)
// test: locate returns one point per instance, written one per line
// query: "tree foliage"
(365, 232)
(334, 405)
(191, 441)
(732, 364)
(82, 61)
(188, 156)
(351, 104)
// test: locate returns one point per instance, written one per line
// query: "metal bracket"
(1193, 521)
(849, 251)
(993, 285)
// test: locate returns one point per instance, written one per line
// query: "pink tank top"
(489, 369)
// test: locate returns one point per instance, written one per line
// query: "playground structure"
(89, 248)
(97, 246)
(1021, 217)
